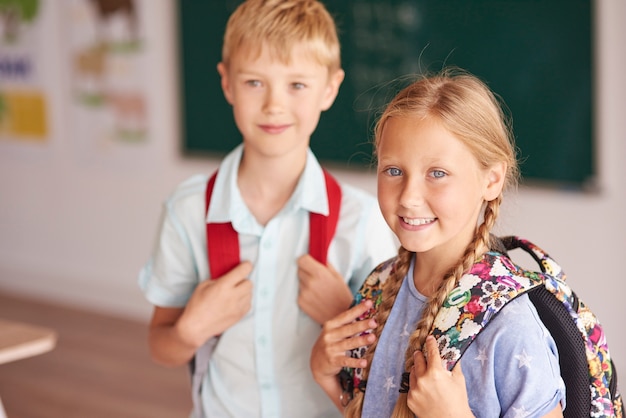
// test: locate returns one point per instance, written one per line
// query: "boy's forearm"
(167, 347)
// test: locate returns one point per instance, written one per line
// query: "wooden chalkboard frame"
(536, 55)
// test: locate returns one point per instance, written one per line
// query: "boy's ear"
(335, 80)
(495, 181)
(223, 71)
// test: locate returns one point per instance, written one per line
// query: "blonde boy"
(280, 69)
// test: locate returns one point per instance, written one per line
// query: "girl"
(445, 154)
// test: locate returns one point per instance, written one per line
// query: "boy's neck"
(266, 184)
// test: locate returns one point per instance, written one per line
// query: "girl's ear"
(223, 71)
(332, 89)
(496, 175)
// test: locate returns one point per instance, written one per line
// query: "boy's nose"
(274, 101)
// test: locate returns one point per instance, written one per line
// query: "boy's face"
(277, 105)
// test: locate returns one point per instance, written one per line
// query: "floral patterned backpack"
(586, 366)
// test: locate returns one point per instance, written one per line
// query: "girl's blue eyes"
(394, 172)
(438, 174)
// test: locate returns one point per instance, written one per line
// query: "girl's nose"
(412, 194)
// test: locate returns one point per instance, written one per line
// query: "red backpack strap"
(222, 241)
(322, 228)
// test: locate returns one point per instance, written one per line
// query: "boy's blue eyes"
(394, 171)
(438, 174)
(257, 83)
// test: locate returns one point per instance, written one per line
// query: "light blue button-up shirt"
(260, 366)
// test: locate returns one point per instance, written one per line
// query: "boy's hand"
(339, 335)
(216, 305)
(323, 292)
(433, 390)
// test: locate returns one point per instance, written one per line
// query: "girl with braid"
(445, 155)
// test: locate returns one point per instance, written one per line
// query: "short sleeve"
(364, 234)
(512, 368)
(172, 272)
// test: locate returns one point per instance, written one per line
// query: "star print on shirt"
(405, 332)
(524, 359)
(511, 308)
(482, 356)
(389, 384)
(521, 412)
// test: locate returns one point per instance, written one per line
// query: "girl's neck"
(431, 267)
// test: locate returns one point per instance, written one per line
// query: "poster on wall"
(24, 113)
(107, 63)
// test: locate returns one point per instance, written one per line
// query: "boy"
(280, 69)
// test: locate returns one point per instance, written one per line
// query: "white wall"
(77, 233)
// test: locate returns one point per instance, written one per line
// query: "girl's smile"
(413, 222)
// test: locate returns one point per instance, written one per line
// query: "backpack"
(586, 366)
(223, 256)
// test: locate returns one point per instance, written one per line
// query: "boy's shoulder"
(188, 193)
(191, 185)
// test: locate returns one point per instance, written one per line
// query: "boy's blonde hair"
(280, 25)
(467, 108)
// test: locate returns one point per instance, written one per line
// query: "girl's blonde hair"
(280, 25)
(468, 109)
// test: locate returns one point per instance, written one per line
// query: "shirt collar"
(227, 204)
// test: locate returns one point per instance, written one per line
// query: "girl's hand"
(433, 390)
(340, 334)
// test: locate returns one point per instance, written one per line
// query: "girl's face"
(430, 186)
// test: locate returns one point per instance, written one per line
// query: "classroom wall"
(77, 232)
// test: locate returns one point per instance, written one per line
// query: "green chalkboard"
(537, 55)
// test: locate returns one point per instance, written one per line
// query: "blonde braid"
(390, 290)
(469, 110)
(473, 251)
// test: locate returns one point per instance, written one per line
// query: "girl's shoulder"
(372, 287)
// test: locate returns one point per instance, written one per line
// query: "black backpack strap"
(571, 346)
(586, 366)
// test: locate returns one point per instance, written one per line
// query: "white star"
(389, 384)
(405, 332)
(512, 308)
(482, 356)
(521, 412)
(524, 359)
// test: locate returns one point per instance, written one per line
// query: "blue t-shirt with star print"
(511, 370)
